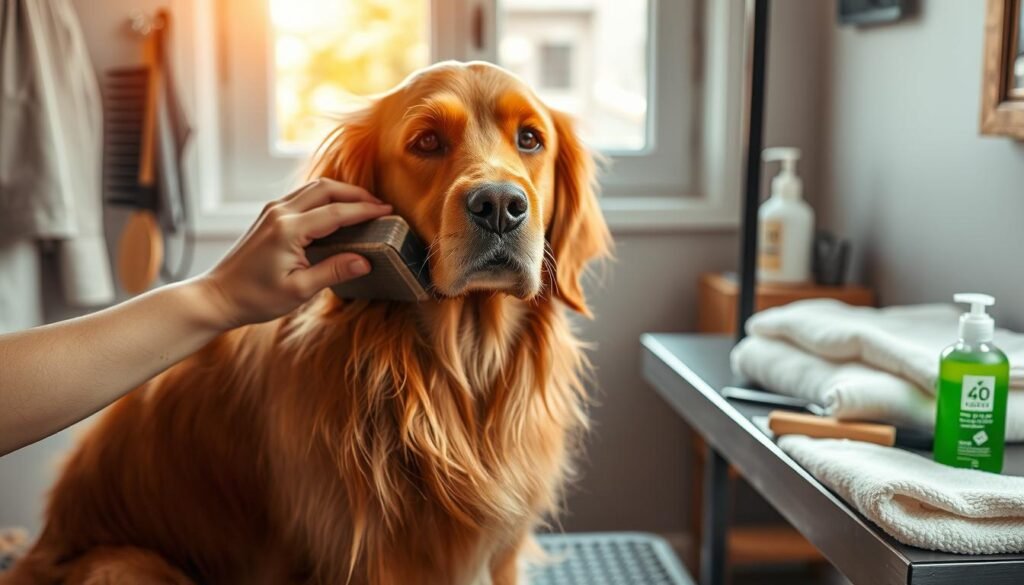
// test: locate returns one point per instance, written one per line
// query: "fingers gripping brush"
(397, 257)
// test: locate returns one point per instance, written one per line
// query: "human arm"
(56, 375)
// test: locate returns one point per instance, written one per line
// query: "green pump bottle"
(974, 376)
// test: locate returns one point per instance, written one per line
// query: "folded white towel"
(848, 390)
(905, 341)
(917, 501)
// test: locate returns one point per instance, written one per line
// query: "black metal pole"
(755, 94)
(715, 523)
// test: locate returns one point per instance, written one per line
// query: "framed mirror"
(1002, 90)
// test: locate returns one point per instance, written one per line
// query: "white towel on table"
(848, 390)
(905, 341)
(915, 500)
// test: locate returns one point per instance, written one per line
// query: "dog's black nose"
(498, 207)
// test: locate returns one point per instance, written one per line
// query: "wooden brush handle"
(152, 59)
(783, 422)
(147, 142)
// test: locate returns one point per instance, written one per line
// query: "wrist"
(210, 303)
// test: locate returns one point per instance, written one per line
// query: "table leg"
(715, 525)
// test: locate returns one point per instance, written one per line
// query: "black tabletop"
(689, 371)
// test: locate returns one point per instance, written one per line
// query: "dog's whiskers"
(551, 265)
(432, 250)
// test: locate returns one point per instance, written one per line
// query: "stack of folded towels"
(862, 363)
(881, 365)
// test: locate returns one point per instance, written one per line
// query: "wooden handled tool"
(783, 422)
(129, 164)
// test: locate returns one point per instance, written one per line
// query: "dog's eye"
(528, 140)
(428, 143)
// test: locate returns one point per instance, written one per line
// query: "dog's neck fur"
(459, 414)
(477, 335)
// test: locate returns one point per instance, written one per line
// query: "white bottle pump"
(787, 183)
(786, 224)
(976, 326)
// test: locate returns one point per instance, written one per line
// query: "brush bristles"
(126, 92)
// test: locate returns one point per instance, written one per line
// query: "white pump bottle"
(785, 224)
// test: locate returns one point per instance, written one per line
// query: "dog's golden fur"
(360, 442)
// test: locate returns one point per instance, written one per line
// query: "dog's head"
(496, 183)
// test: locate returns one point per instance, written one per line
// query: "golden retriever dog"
(369, 442)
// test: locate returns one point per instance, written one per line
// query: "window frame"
(630, 205)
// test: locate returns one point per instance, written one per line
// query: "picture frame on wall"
(1002, 89)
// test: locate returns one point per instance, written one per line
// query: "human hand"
(266, 273)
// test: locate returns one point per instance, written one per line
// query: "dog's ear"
(577, 233)
(348, 153)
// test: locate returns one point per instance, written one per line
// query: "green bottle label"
(970, 422)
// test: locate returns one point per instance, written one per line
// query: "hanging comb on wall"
(144, 138)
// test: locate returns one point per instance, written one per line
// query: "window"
(588, 58)
(325, 53)
(289, 67)
(628, 70)
(556, 62)
(627, 75)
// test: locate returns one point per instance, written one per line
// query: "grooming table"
(611, 558)
(689, 372)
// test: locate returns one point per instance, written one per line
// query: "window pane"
(586, 57)
(327, 51)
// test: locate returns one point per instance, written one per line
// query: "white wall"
(932, 207)
(636, 469)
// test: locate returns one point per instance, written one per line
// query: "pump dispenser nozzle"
(976, 326)
(787, 183)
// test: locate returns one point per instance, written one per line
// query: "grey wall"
(933, 208)
(798, 63)
(635, 475)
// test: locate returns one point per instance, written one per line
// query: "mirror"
(1017, 63)
(1002, 98)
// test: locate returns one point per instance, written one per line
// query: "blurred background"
(887, 118)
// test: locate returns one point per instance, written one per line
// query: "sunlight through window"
(326, 52)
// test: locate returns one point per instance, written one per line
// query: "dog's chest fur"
(447, 437)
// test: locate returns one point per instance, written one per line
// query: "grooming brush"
(398, 258)
(145, 133)
(789, 423)
(129, 174)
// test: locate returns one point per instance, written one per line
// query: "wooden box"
(718, 297)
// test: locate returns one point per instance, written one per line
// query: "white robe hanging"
(51, 143)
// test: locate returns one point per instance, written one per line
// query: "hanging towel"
(905, 340)
(21, 294)
(51, 144)
(915, 500)
(848, 390)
